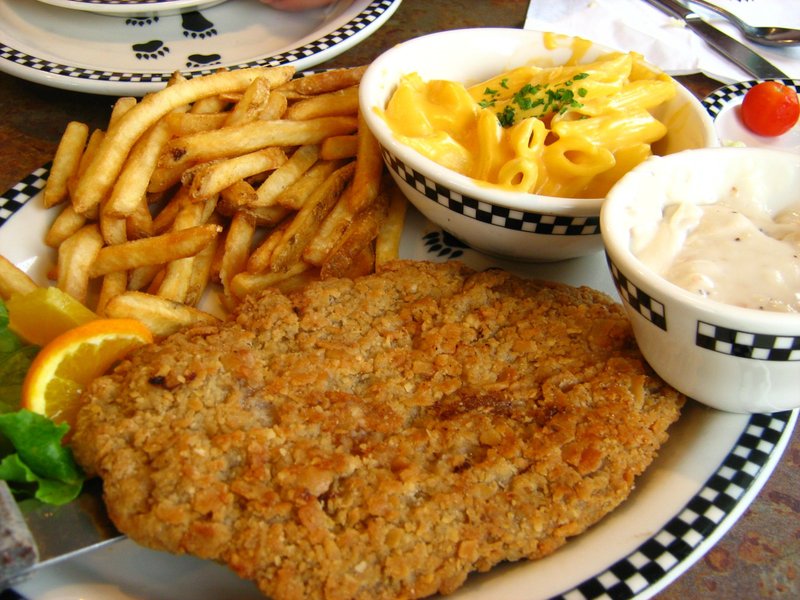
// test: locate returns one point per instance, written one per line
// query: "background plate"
(707, 474)
(723, 105)
(131, 56)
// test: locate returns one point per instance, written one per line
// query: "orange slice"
(45, 313)
(66, 365)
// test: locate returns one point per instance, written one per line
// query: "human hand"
(296, 5)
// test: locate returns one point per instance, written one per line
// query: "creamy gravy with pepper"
(733, 251)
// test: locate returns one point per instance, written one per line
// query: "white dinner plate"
(123, 8)
(723, 104)
(706, 475)
(132, 56)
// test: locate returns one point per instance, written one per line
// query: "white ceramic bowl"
(728, 357)
(513, 225)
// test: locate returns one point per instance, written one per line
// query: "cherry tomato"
(770, 108)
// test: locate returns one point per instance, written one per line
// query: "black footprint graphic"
(141, 21)
(148, 50)
(196, 25)
(444, 244)
(202, 60)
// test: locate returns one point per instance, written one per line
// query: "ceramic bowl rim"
(522, 201)
(633, 269)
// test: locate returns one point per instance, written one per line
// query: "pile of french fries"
(241, 180)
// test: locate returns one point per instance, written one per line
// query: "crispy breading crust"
(379, 438)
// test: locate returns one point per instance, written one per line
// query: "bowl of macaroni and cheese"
(509, 139)
(704, 249)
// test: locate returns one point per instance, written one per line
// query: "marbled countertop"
(758, 558)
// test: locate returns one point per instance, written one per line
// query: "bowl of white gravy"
(704, 249)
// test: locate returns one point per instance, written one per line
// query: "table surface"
(758, 558)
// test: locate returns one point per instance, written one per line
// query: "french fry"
(142, 277)
(238, 243)
(113, 229)
(113, 285)
(65, 163)
(95, 139)
(235, 196)
(210, 104)
(305, 223)
(139, 224)
(163, 317)
(156, 250)
(323, 82)
(201, 273)
(211, 178)
(14, 280)
(166, 177)
(240, 139)
(131, 185)
(293, 169)
(121, 107)
(340, 102)
(369, 168)
(295, 196)
(267, 216)
(177, 273)
(338, 147)
(387, 244)
(187, 123)
(100, 175)
(363, 229)
(252, 103)
(245, 282)
(76, 255)
(259, 258)
(165, 218)
(275, 108)
(64, 225)
(331, 229)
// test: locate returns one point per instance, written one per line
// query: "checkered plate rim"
(307, 52)
(499, 216)
(719, 98)
(704, 518)
(17, 195)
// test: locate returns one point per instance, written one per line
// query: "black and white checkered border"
(16, 197)
(719, 98)
(746, 344)
(647, 306)
(331, 40)
(708, 510)
(499, 216)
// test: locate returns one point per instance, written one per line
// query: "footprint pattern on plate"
(193, 24)
(443, 244)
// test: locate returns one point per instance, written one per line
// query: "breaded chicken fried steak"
(380, 437)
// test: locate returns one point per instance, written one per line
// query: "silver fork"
(767, 36)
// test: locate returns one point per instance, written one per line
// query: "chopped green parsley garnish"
(535, 100)
(506, 117)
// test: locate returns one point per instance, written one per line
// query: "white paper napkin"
(635, 25)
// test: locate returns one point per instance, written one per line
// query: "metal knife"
(35, 535)
(727, 46)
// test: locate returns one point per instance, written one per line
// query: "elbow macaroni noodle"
(571, 130)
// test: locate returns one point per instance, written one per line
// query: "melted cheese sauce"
(733, 251)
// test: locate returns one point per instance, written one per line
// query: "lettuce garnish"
(33, 459)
